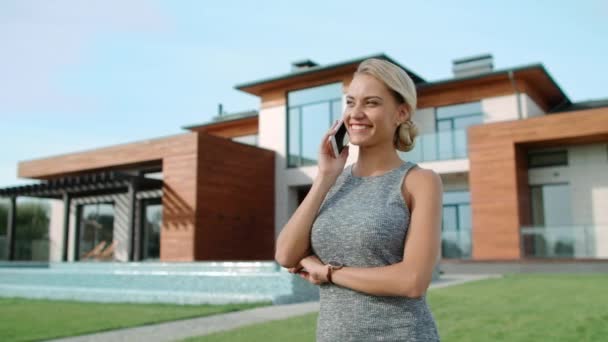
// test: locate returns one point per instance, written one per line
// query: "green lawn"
(32, 320)
(515, 308)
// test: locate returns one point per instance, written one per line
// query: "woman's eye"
(372, 103)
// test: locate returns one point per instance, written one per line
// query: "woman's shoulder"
(422, 180)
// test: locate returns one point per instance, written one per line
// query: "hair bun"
(405, 136)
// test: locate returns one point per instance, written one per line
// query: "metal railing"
(438, 146)
(565, 241)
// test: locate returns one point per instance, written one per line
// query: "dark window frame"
(533, 154)
(78, 222)
(288, 108)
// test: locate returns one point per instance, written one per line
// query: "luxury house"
(525, 172)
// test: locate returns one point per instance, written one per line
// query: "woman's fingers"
(325, 147)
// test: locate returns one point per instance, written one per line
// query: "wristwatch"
(332, 266)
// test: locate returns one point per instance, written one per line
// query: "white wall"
(530, 108)
(56, 230)
(499, 108)
(273, 136)
(504, 108)
(587, 174)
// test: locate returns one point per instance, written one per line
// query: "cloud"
(40, 39)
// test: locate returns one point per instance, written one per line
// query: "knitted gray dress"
(363, 222)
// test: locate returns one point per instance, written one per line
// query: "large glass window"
(547, 158)
(310, 113)
(450, 120)
(551, 205)
(552, 233)
(458, 116)
(151, 223)
(95, 232)
(456, 225)
(31, 229)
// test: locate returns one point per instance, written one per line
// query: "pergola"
(68, 187)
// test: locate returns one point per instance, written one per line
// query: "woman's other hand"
(315, 272)
(330, 167)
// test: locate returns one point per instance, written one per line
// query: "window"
(450, 139)
(547, 158)
(310, 113)
(460, 116)
(551, 205)
(151, 220)
(95, 232)
(552, 233)
(456, 225)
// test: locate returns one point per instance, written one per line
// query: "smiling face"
(372, 112)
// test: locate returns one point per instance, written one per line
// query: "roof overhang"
(535, 76)
(318, 72)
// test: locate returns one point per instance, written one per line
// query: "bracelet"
(329, 274)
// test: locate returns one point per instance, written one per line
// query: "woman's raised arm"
(293, 242)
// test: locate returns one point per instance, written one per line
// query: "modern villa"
(525, 172)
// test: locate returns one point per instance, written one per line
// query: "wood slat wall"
(235, 199)
(498, 176)
(218, 195)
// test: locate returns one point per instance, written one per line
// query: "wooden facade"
(206, 181)
(498, 175)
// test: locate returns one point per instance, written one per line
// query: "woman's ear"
(403, 112)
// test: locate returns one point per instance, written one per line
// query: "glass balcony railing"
(568, 241)
(438, 146)
(456, 244)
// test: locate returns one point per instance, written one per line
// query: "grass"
(32, 320)
(524, 307)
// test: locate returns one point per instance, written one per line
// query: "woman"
(366, 234)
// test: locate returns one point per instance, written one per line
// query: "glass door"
(95, 232)
(152, 218)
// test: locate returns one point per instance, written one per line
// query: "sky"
(79, 75)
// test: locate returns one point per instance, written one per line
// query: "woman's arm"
(293, 242)
(410, 277)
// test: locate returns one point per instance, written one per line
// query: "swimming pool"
(156, 282)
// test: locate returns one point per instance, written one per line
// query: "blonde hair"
(404, 91)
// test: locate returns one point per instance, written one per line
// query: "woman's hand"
(314, 270)
(329, 166)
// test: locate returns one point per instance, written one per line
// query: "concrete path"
(177, 330)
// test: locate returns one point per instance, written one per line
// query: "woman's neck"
(376, 160)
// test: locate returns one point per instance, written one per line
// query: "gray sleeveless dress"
(363, 222)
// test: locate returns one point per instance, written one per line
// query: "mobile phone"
(339, 140)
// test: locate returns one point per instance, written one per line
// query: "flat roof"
(224, 118)
(582, 105)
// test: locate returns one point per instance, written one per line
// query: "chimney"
(303, 64)
(474, 65)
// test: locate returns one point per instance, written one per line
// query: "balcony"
(456, 244)
(436, 146)
(567, 241)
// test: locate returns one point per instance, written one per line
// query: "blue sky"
(77, 75)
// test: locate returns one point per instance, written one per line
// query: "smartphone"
(339, 140)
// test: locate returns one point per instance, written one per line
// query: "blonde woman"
(369, 234)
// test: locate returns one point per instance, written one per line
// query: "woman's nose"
(356, 112)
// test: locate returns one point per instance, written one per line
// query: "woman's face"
(371, 112)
